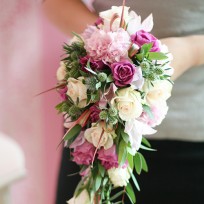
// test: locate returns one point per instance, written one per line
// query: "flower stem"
(97, 147)
(122, 15)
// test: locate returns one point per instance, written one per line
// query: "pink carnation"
(107, 46)
(108, 157)
(84, 153)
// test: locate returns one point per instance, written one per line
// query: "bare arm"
(69, 15)
(187, 52)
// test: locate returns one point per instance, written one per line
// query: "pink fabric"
(29, 57)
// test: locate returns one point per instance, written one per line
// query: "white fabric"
(12, 161)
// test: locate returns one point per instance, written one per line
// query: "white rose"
(82, 198)
(128, 102)
(108, 15)
(61, 71)
(77, 91)
(158, 93)
(119, 176)
(93, 135)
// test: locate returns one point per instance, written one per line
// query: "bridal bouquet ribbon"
(114, 81)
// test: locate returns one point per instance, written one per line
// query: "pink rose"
(84, 153)
(123, 73)
(108, 157)
(141, 37)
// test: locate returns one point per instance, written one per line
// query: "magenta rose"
(141, 37)
(108, 157)
(84, 153)
(94, 116)
(123, 73)
(94, 64)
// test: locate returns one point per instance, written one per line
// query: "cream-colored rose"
(61, 71)
(119, 176)
(82, 198)
(108, 15)
(93, 135)
(129, 103)
(158, 93)
(77, 91)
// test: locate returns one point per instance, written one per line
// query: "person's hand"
(187, 52)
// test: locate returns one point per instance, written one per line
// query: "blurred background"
(30, 129)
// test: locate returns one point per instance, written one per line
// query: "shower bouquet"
(114, 81)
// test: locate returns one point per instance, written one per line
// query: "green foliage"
(156, 56)
(130, 193)
(135, 181)
(63, 106)
(74, 132)
(73, 53)
(122, 154)
(146, 142)
(138, 163)
(147, 148)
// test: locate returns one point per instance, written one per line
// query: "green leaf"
(83, 73)
(135, 181)
(125, 136)
(59, 107)
(122, 154)
(73, 132)
(98, 182)
(109, 78)
(140, 56)
(116, 195)
(144, 163)
(130, 161)
(130, 193)
(157, 56)
(101, 170)
(105, 180)
(146, 48)
(138, 163)
(147, 148)
(146, 142)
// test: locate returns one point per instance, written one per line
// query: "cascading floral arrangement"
(114, 81)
